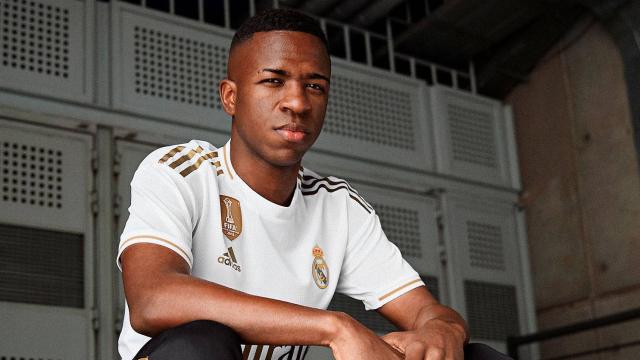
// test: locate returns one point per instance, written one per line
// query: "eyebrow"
(286, 73)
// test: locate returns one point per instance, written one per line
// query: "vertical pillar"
(105, 246)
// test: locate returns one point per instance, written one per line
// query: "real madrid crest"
(319, 268)
(231, 217)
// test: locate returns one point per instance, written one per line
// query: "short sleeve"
(162, 211)
(373, 269)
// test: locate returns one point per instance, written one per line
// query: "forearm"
(180, 298)
(443, 313)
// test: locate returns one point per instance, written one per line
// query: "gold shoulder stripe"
(197, 164)
(155, 238)
(398, 289)
(183, 159)
(199, 149)
(170, 154)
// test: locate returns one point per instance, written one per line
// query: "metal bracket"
(95, 319)
(94, 160)
(117, 161)
(442, 255)
(94, 202)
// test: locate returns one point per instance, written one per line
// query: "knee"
(197, 340)
(205, 331)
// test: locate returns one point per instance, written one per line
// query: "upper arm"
(156, 240)
(162, 209)
(145, 267)
(403, 310)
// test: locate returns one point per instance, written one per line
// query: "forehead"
(281, 49)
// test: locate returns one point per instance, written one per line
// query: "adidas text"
(225, 260)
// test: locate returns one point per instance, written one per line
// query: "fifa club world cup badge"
(231, 217)
(319, 268)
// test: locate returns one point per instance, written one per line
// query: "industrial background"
(498, 141)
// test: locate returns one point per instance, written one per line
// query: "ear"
(228, 93)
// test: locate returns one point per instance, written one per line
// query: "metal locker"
(484, 267)
(46, 237)
(472, 137)
(168, 67)
(48, 48)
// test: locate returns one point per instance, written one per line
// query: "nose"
(295, 99)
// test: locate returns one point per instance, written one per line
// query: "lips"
(292, 132)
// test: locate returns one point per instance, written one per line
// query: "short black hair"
(278, 19)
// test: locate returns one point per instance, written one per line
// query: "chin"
(286, 158)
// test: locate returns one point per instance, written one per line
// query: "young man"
(240, 244)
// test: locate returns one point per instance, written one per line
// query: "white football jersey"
(189, 199)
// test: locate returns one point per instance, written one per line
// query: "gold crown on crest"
(317, 252)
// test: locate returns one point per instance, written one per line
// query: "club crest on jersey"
(319, 268)
(231, 217)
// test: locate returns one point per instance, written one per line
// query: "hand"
(435, 340)
(354, 341)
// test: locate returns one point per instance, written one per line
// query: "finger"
(397, 340)
(414, 351)
(434, 353)
(454, 351)
(398, 353)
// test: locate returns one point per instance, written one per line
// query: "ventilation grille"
(472, 136)
(366, 112)
(492, 310)
(41, 267)
(485, 246)
(355, 308)
(402, 227)
(31, 175)
(178, 69)
(35, 37)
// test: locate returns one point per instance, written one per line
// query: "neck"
(274, 183)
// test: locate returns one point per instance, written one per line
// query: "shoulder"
(185, 159)
(333, 188)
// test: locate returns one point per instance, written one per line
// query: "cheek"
(320, 110)
(255, 101)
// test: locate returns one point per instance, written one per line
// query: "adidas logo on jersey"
(229, 259)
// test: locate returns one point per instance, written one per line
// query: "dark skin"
(278, 101)
(277, 93)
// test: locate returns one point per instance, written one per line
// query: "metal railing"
(514, 342)
(373, 49)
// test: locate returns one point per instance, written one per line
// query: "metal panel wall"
(470, 137)
(47, 47)
(46, 227)
(484, 266)
(377, 116)
(44, 177)
(168, 67)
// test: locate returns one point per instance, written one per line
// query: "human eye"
(271, 81)
(316, 87)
